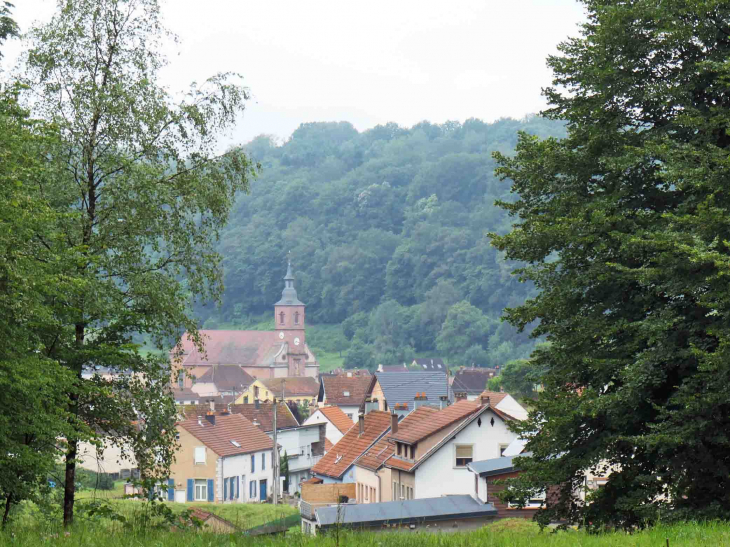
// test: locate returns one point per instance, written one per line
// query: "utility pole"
(275, 467)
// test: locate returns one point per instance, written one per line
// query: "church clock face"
(281, 336)
(296, 341)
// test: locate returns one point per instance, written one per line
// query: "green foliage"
(284, 469)
(625, 227)
(518, 378)
(387, 220)
(128, 200)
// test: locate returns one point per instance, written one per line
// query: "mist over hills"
(387, 230)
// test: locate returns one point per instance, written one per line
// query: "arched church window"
(296, 317)
(281, 318)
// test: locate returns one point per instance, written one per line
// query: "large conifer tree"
(625, 228)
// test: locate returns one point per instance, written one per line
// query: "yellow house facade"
(301, 390)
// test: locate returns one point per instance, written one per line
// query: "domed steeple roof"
(289, 294)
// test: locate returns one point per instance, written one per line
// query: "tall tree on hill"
(625, 227)
(140, 194)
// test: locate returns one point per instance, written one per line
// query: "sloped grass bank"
(508, 533)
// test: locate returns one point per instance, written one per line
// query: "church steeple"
(289, 294)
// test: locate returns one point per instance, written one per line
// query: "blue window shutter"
(225, 489)
(170, 489)
(211, 494)
(191, 488)
(253, 463)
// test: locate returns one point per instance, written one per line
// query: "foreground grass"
(507, 533)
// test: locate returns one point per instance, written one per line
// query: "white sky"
(366, 61)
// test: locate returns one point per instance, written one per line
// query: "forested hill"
(387, 232)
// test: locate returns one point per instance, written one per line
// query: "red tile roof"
(383, 449)
(420, 429)
(229, 347)
(495, 397)
(293, 386)
(232, 427)
(336, 388)
(227, 377)
(353, 445)
(264, 415)
(327, 445)
(338, 418)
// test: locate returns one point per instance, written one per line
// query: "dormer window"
(281, 318)
(296, 317)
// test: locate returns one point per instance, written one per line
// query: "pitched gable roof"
(402, 387)
(264, 415)
(345, 391)
(229, 347)
(338, 418)
(227, 377)
(353, 445)
(230, 429)
(377, 455)
(292, 386)
(417, 430)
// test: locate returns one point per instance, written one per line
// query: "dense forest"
(388, 234)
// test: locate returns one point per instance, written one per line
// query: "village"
(410, 446)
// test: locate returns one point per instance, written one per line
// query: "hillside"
(387, 231)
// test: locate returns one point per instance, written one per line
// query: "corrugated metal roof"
(426, 509)
(495, 466)
(402, 387)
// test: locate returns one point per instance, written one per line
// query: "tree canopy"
(624, 226)
(387, 230)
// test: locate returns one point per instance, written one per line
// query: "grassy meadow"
(506, 533)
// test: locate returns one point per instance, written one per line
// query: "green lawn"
(506, 533)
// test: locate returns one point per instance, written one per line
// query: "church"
(262, 354)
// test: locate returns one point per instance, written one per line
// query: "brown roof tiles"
(420, 429)
(264, 415)
(227, 377)
(293, 386)
(353, 445)
(229, 347)
(338, 418)
(343, 391)
(233, 427)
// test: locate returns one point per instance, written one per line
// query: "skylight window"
(346, 393)
(425, 366)
(235, 443)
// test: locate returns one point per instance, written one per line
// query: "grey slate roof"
(402, 387)
(495, 466)
(473, 381)
(426, 509)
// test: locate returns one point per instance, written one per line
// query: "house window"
(464, 453)
(245, 400)
(252, 490)
(349, 416)
(181, 380)
(536, 501)
(281, 318)
(413, 452)
(255, 392)
(253, 463)
(394, 494)
(399, 449)
(263, 461)
(200, 455)
(201, 490)
(296, 317)
(502, 448)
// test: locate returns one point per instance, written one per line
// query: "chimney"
(361, 423)
(211, 402)
(256, 404)
(419, 400)
(485, 400)
(393, 423)
(443, 402)
(211, 418)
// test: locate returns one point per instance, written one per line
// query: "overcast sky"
(366, 62)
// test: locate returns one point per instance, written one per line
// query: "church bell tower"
(289, 320)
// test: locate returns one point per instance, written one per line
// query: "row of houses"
(428, 466)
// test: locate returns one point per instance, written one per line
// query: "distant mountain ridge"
(387, 232)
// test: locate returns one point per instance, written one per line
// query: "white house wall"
(351, 411)
(240, 466)
(510, 405)
(438, 475)
(332, 434)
